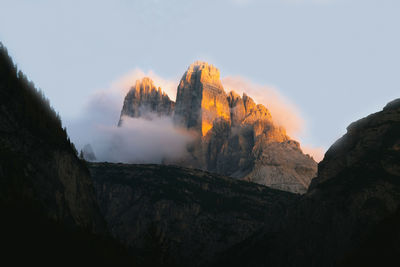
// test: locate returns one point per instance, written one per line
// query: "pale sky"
(335, 60)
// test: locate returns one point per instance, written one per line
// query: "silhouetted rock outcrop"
(200, 98)
(49, 212)
(38, 154)
(350, 214)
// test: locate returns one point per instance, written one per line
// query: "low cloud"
(151, 141)
(138, 140)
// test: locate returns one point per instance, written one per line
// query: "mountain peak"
(202, 65)
(144, 98)
(201, 98)
(204, 72)
(235, 135)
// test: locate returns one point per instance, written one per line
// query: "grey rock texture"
(365, 137)
(237, 137)
(143, 99)
(282, 165)
(234, 136)
(177, 216)
(200, 98)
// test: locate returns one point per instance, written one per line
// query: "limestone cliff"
(145, 98)
(235, 136)
(238, 137)
(201, 98)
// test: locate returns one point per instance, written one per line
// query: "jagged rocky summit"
(143, 99)
(235, 136)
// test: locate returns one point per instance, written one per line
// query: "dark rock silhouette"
(350, 214)
(170, 215)
(49, 212)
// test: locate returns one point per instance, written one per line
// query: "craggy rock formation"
(235, 136)
(375, 135)
(282, 165)
(259, 151)
(173, 216)
(201, 98)
(351, 213)
(144, 99)
(48, 206)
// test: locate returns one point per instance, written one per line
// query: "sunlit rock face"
(201, 98)
(255, 149)
(235, 136)
(238, 136)
(145, 98)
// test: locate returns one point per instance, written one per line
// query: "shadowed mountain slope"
(49, 211)
(175, 216)
(351, 208)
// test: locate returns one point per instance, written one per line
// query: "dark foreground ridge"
(49, 212)
(177, 216)
(350, 215)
